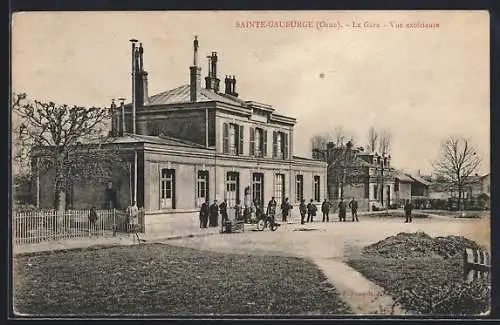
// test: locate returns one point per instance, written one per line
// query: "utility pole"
(133, 41)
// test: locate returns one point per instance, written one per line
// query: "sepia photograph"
(248, 164)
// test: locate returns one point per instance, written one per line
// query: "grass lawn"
(163, 279)
(430, 285)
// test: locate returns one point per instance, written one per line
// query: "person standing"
(214, 215)
(132, 213)
(285, 210)
(342, 210)
(238, 215)
(223, 211)
(353, 205)
(325, 209)
(271, 208)
(303, 211)
(408, 207)
(204, 213)
(92, 219)
(311, 211)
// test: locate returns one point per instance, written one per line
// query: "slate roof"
(420, 180)
(182, 95)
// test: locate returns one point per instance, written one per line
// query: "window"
(258, 142)
(299, 188)
(279, 187)
(396, 185)
(232, 139)
(375, 191)
(167, 189)
(232, 188)
(280, 145)
(258, 187)
(202, 186)
(317, 189)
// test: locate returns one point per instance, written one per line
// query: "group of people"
(209, 213)
(310, 209)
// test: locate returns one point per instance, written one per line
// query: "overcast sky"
(423, 84)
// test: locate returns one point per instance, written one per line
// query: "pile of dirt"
(419, 244)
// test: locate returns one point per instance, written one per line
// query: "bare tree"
(458, 159)
(65, 139)
(385, 142)
(372, 140)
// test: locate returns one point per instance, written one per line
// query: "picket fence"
(477, 264)
(37, 226)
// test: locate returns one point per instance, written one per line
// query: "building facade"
(194, 144)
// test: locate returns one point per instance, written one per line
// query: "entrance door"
(258, 188)
(232, 194)
(203, 193)
(167, 190)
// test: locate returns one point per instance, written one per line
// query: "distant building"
(195, 144)
(370, 178)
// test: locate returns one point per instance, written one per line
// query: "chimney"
(114, 118)
(211, 81)
(228, 82)
(233, 89)
(141, 80)
(195, 74)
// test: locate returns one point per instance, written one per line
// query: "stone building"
(195, 143)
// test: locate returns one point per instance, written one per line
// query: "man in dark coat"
(271, 208)
(303, 211)
(353, 205)
(342, 210)
(285, 210)
(325, 209)
(204, 213)
(238, 214)
(311, 211)
(214, 214)
(223, 211)
(408, 207)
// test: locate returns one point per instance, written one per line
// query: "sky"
(423, 84)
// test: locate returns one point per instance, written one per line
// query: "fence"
(44, 225)
(476, 264)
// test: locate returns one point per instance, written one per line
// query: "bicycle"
(267, 222)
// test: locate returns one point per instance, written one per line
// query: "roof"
(182, 94)
(307, 159)
(165, 140)
(403, 177)
(420, 180)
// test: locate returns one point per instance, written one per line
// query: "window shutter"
(285, 146)
(225, 138)
(207, 194)
(252, 141)
(275, 145)
(264, 143)
(241, 136)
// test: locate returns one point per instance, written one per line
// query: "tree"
(385, 142)
(458, 159)
(68, 140)
(341, 158)
(372, 140)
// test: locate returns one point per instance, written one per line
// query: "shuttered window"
(241, 135)
(280, 145)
